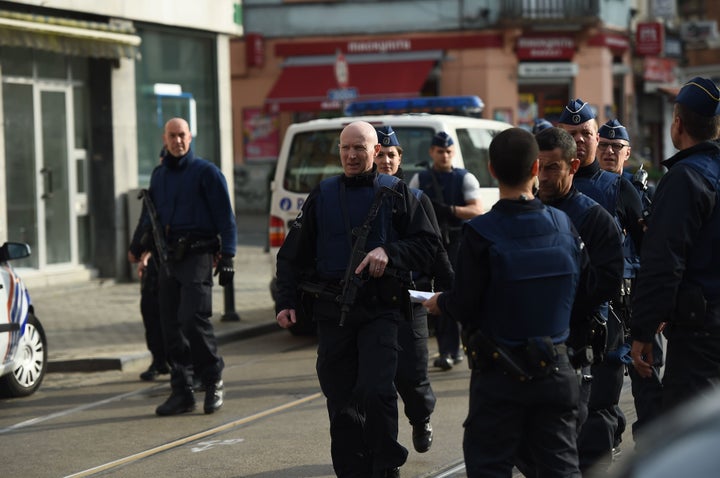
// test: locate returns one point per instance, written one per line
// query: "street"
(273, 424)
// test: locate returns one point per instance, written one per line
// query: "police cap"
(541, 124)
(442, 139)
(700, 95)
(387, 137)
(576, 112)
(613, 130)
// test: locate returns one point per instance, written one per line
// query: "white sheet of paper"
(419, 296)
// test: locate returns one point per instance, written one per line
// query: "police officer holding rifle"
(357, 339)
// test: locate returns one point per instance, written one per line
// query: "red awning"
(314, 87)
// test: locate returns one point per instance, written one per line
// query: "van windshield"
(314, 155)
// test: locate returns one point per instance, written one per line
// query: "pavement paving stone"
(96, 325)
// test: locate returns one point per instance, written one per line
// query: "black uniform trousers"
(412, 380)
(647, 392)
(539, 416)
(597, 434)
(692, 366)
(150, 311)
(356, 367)
(185, 309)
(447, 330)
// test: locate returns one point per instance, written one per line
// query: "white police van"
(309, 154)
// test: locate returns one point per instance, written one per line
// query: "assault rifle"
(351, 281)
(161, 248)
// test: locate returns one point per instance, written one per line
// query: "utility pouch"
(540, 356)
(597, 338)
(180, 249)
(690, 307)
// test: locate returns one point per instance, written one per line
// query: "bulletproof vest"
(450, 188)
(341, 209)
(534, 272)
(703, 261)
(603, 188)
(577, 206)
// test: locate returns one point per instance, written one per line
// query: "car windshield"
(314, 155)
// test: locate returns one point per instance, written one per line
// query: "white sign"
(547, 70)
(342, 94)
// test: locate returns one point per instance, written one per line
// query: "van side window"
(313, 157)
(474, 144)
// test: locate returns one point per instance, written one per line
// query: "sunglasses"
(616, 147)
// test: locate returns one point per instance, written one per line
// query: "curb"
(124, 362)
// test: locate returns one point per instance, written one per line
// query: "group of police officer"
(601, 266)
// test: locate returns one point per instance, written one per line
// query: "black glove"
(442, 211)
(225, 270)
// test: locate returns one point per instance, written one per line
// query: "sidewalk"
(96, 325)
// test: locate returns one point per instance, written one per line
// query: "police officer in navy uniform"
(455, 195)
(605, 420)
(602, 239)
(412, 380)
(678, 282)
(513, 294)
(357, 358)
(193, 207)
(613, 153)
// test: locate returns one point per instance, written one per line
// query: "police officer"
(516, 257)
(602, 239)
(357, 345)
(613, 153)
(412, 380)
(455, 195)
(678, 278)
(149, 308)
(621, 200)
(193, 208)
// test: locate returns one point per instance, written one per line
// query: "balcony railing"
(567, 12)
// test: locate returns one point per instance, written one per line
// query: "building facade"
(86, 89)
(301, 60)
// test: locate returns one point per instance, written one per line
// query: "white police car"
(23, 345)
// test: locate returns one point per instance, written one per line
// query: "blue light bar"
(454, 105)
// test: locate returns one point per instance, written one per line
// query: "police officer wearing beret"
(613, 153)
(412, 379)
(455, 195)
(605, 420)
(513, 294)
(193, 207)
(357, 358)
(678, 282)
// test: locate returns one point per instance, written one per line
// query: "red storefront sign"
(545, 48)
(261, 135)
(660, 70)
(649, 38)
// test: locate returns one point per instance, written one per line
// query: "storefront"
(519, 76)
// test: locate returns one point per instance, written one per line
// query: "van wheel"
(31, 366)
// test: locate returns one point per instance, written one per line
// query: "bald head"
(358, 147)
(177, 137)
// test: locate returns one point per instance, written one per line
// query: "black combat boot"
(422, 436)
(214, 394)
(180, 401)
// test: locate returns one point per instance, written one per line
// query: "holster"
(690, 307)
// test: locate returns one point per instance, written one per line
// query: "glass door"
(54, 176)
(38, 130)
